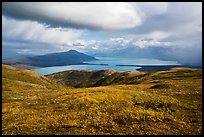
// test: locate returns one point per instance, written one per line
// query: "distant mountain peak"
(72, 50)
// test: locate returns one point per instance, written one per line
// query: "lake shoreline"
(118, 64)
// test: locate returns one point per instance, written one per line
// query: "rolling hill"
(16, 79)
(94, 78)
(132, 103)
(71, 57)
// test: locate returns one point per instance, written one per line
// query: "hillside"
(81, 78)
(15, 79)
(155, 103)
(71, 57)
(94, 78)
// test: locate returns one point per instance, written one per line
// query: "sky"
(43, 27)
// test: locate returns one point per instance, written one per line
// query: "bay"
(104, 63)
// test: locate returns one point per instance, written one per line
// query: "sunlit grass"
(37, 107)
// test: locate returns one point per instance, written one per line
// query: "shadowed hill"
(80, 78)
(84, 78)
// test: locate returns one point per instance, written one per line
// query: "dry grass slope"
(164, 102)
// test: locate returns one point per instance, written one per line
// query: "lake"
(108, 63)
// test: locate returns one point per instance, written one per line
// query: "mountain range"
(71, 57)
(181, 55)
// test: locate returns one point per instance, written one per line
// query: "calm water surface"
(111, 61)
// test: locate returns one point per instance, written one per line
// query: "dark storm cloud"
(21, 12)
(94, 16)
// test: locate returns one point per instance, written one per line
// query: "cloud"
(173, 26)
(35, 38)
(119, 41)
(151, 8)
(191, 56)
(152, 35)
(179, 18)
(91, 15)
(35, 32)
(152, 43)
(180, 27)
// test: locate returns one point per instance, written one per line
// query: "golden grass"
(116, 109)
